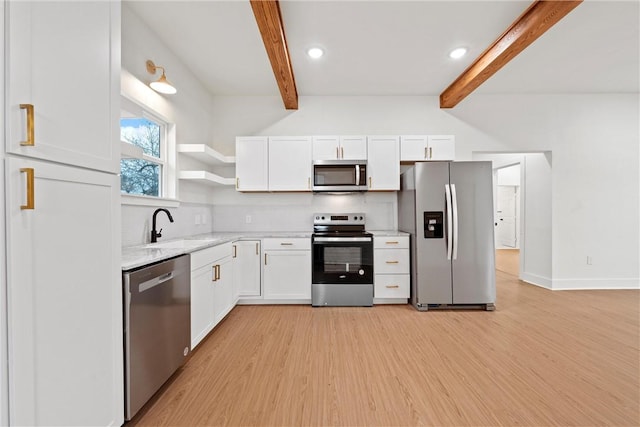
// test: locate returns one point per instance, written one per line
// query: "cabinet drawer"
(391, 286)
(391, 261)
(295, 243)
(391, 242)
(209, 255)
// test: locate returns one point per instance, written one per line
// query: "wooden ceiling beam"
(534, 22)
(269, 19)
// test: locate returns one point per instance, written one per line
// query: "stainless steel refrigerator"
(447, 207)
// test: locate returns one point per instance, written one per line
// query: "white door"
(290, 163)
(414, 147)
(506, 216)
(223, 300)
(326, 148)
(63, 77)
(64, 285)
(287, 274)
(353, 147)
(202, 309)
(383, 162)
(246, 268)
(252, 163)
(442, 147)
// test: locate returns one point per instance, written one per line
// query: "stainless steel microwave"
(339, 175)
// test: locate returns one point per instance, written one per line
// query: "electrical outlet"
(589, 260)
(247, 219)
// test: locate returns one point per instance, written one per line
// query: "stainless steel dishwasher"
(157, 313)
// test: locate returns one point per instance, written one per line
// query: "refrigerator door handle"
(447, 193)
(454, 199)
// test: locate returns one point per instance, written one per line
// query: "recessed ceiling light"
(458, 53)
(315, 52)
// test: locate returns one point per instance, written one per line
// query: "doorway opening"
(507, 218)
(522, 209)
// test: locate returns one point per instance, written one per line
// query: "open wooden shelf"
(205, 154)
(206, 178)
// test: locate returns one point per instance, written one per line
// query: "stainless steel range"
(342, 261)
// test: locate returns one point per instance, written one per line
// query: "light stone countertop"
(141, 255)
(388, 233)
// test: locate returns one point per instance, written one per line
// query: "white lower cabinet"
(287, 269)
(64, 295)
(212, 294)
(246, 268)
(391, 267)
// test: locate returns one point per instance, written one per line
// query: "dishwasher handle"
(145, 286)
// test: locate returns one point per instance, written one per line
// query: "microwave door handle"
(357, 174)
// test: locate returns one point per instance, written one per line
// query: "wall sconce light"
(161, 85)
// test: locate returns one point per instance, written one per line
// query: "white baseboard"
(585, 284)
(534, 279)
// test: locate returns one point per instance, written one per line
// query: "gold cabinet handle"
(31, 141)
(215, 275)
(393, 262)
(265, 259)
(393, 286)
(430, 152)
(30, 188)
(425, 153)
(217, 271)
(257, 248)
(392, 243)
(286, 244)
(235, 251)
(337, 153)
(309, 183)
(342, 152)
(370, 182)
(237, 183)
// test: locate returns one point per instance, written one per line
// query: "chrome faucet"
(155, 234)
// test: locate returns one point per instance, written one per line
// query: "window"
(144, 175)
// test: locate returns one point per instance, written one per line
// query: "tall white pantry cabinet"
(62, 211)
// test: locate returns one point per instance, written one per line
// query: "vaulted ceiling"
(398, 47)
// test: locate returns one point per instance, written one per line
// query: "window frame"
(167, 160)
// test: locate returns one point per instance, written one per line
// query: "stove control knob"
(361, 218)
(317, 217)
(355, 218)
(322, 217)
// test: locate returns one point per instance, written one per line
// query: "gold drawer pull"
(286, 244)
(393, 286)
(235, 251)
(31, 141)
(215, 273)
(30, 188)
(257, 248)
(392, 243)
(393, 262)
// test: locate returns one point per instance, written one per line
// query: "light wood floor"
(542, 358)
(508, 261)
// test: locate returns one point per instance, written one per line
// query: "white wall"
(509, 175)
(190, 109)
(594, 140)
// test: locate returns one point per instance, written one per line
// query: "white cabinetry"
(246, 268)
(339, 148)
(427, 147)
(290, 163)
(391, 266)
(383, 162)
(62, 81)
(64, 283)
(212, 295)
(252, 163)
(287, 269)
(64, 295)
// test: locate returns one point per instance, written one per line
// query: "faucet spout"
(155, 234)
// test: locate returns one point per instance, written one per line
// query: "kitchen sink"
(180, 244)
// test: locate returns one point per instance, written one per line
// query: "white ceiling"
(398, 47)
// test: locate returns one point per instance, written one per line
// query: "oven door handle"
(342, 239)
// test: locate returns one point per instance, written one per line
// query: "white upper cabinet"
(383, 163)
(252, 163)
(340, 147)
(63, 79)
(290, 163)
(427, 147)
